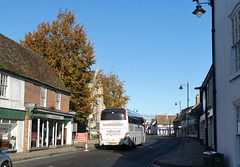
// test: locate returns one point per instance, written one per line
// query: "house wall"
(15, 94)
(13, 103)
(51, 99)
(65, 100)
(227, 86)
(33, 95)
(20, 136)
(49, 122)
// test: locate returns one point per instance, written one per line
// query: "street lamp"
(211, 3)
(176, 103)
(181, 87)
(198, 11)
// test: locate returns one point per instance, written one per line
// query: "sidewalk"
(187, 154)
(51, 151)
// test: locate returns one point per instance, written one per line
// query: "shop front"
(165, 130)
(11, 129)
(50, 128)
(207, 130)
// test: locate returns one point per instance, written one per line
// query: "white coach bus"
(119, 126)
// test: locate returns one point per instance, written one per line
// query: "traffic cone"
(86, 147)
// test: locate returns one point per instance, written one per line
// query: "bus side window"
(130, 119)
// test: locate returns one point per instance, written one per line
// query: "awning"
(52, 114)
(6, 113)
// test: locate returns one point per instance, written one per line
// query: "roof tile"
(19, 60)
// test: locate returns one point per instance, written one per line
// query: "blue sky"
(152, 45)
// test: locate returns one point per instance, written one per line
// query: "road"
(141, 156)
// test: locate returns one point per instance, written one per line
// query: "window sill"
(238, 134)
(4, 98)
(234, 76)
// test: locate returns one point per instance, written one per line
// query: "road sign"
(81, 137)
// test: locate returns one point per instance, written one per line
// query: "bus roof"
(130, 112)
(134, 114)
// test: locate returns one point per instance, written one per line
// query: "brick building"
(34, 104)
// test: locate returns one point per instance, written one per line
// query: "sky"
(152, 45)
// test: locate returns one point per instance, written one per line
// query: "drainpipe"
(214, 75)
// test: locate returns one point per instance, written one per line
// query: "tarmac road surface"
(141, 156)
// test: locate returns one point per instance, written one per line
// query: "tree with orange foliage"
(67, 50)
(113, 91)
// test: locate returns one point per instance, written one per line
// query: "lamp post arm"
(209, 3)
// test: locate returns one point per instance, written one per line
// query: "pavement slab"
(186, 155)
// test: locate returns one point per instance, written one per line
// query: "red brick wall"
(32, 94)
(51, 99)
(25, 139)
(65, 103)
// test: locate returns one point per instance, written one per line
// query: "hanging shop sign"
(55, 117)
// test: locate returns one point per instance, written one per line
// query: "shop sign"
(55, 117)
(34, 136)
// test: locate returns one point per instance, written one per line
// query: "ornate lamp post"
(198, 12)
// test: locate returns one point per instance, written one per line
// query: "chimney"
(167, 115)
(197, 99)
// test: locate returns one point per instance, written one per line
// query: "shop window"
(35, 133)
(7, 136)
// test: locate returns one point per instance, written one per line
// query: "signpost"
(82, 137)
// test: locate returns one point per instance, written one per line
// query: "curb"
(49, 152)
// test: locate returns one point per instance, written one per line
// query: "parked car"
(5, 160)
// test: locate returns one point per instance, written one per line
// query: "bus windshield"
(113, 115)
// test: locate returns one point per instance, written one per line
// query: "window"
(238, 135)
(113, 115)
(58, 101)
(3, 85)
(43, 96)
(238, 119)
(235, 20)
